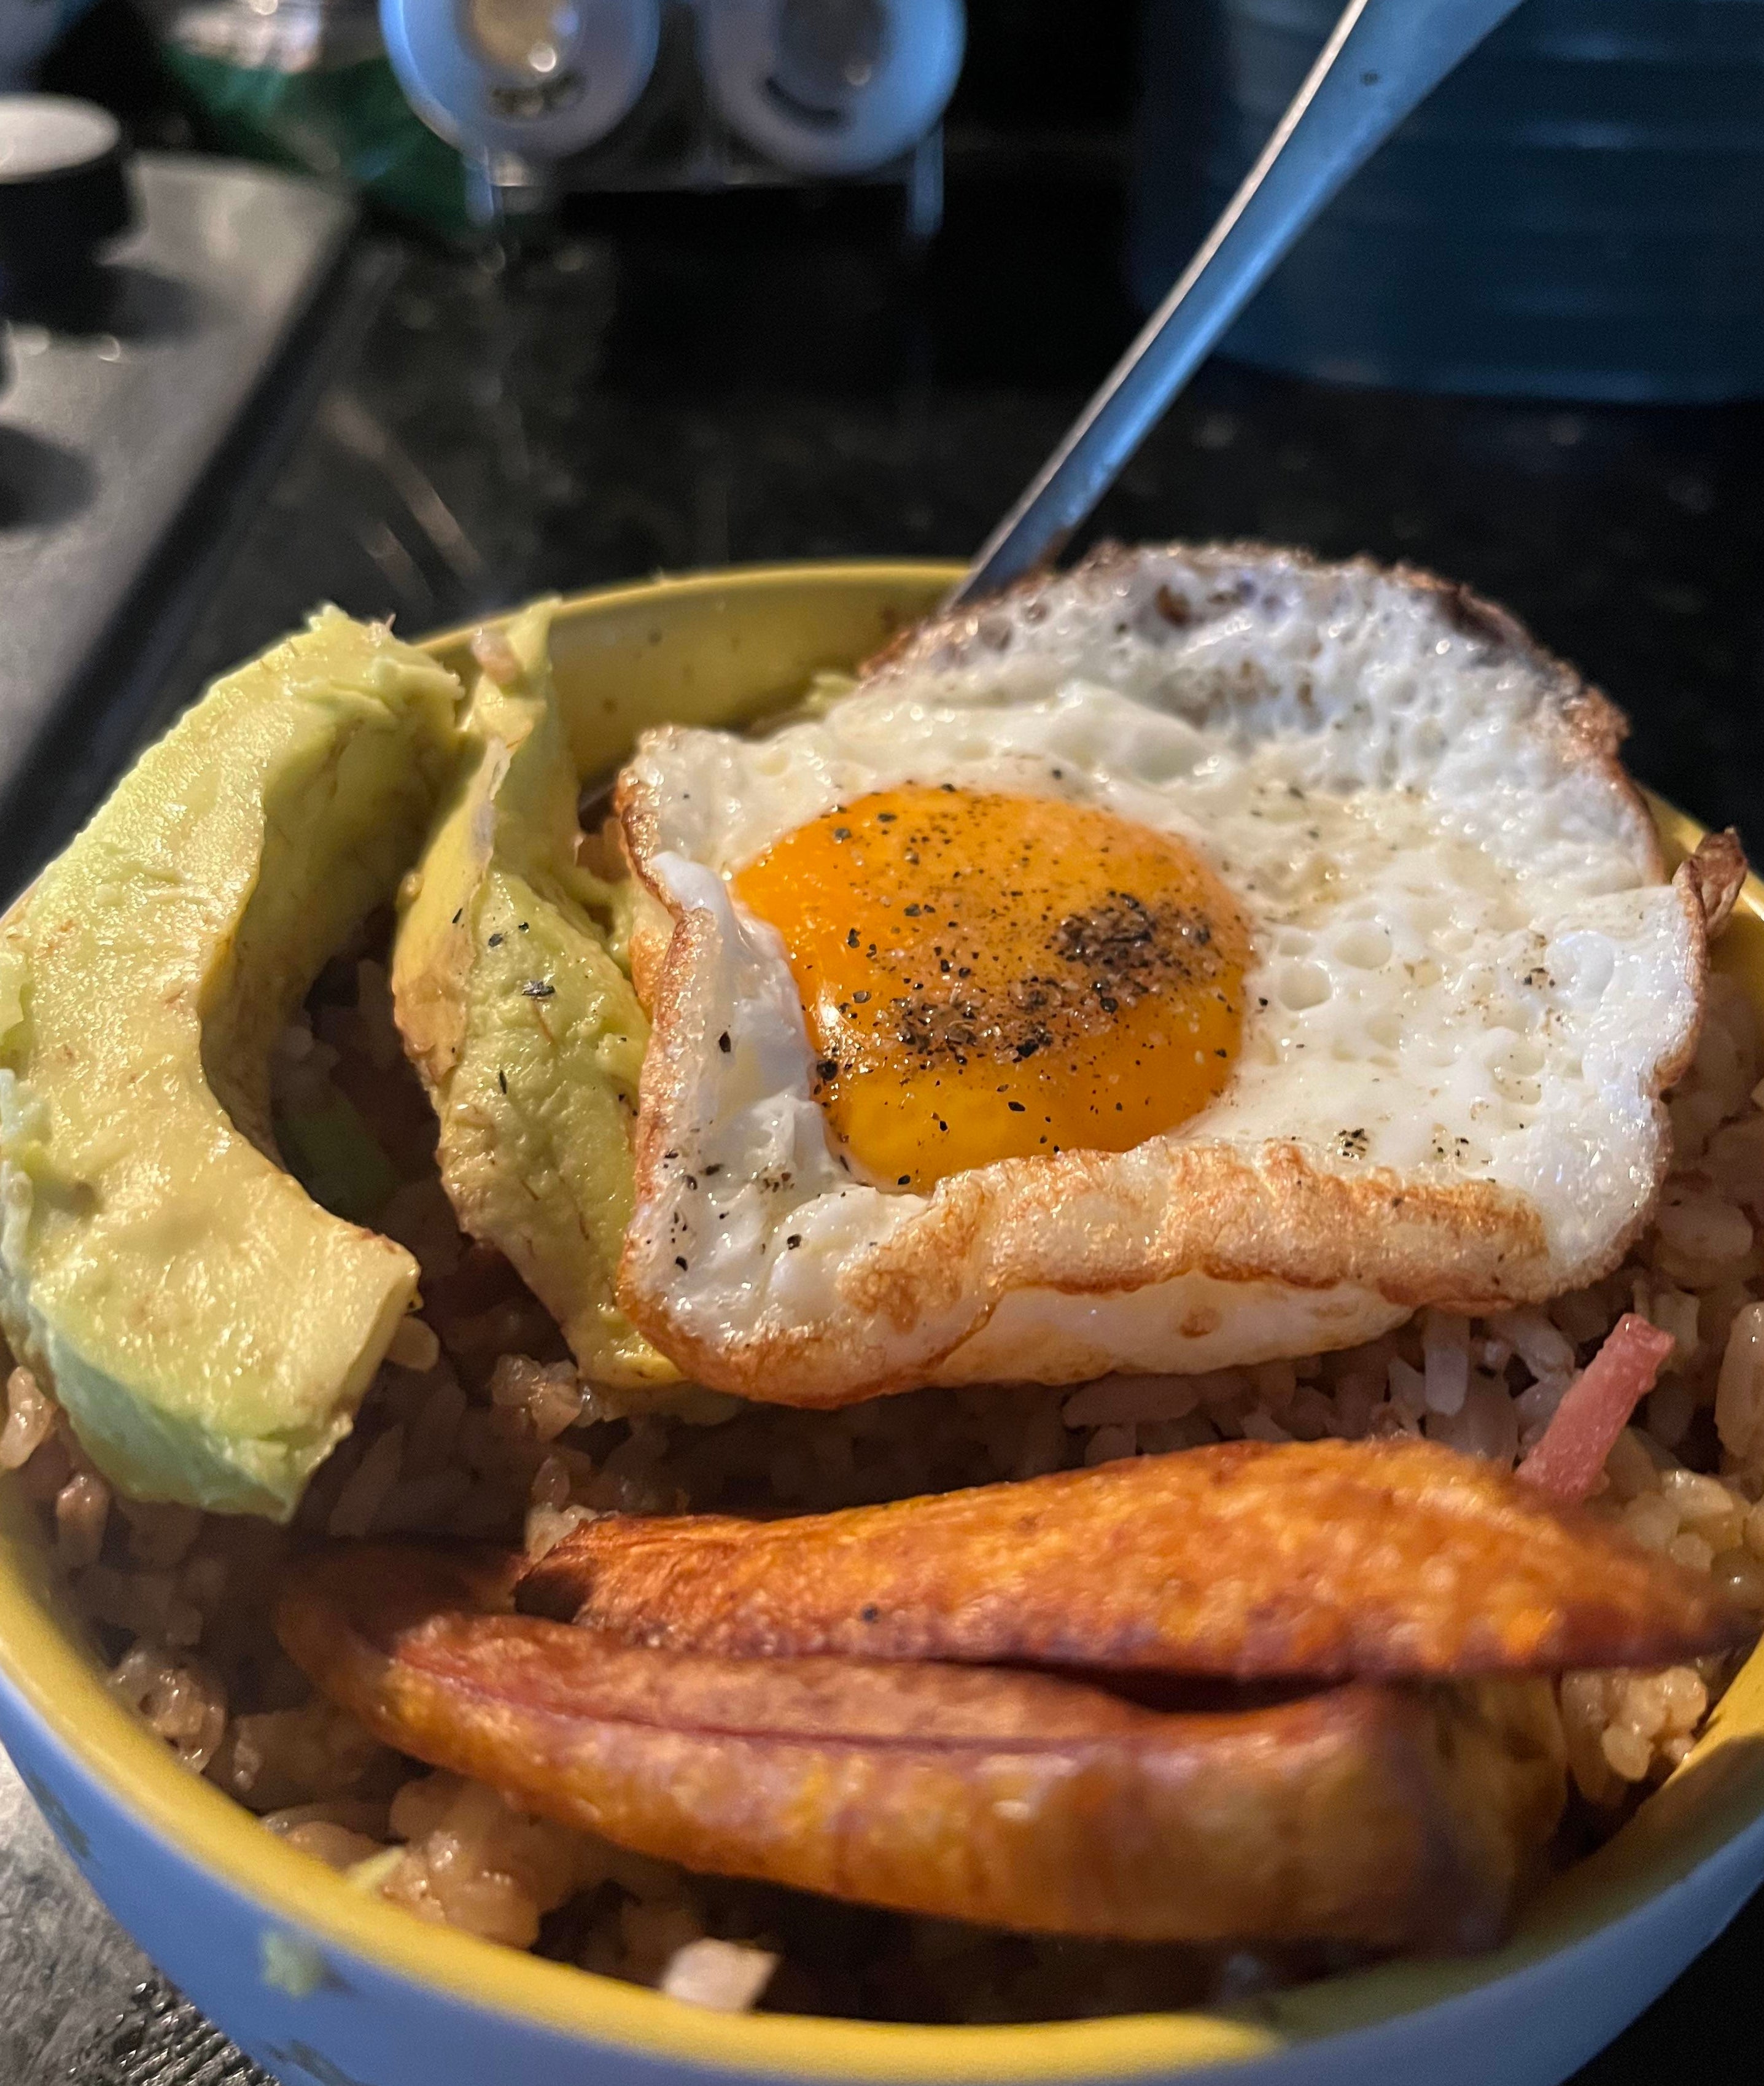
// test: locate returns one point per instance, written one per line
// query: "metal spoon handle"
(1383, 58)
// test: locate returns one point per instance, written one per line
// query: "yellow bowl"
(328, 1987)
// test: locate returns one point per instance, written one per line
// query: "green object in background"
(287, 100)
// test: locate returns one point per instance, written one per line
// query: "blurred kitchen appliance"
(62, 198)
(305, 84)
(1575, 214)
(138, 434)
(544, 96)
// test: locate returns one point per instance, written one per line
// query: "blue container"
(1577, 213)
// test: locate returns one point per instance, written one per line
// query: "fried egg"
(1200, 958)
(991, 975)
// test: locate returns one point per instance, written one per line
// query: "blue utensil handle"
(1383, 58)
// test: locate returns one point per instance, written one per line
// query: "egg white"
(1470, 981)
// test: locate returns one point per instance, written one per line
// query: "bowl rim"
(1721, 1787)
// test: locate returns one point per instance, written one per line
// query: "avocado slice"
(208, 1328)
(508, 989)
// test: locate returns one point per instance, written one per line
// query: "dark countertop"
(690, 396)
(593, 425)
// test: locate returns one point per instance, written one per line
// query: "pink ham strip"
(1596, 1408)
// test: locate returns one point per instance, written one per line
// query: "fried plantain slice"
(1322, 1560)
(1395, 1817)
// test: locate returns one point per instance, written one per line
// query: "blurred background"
(427, 306)
(684, 282)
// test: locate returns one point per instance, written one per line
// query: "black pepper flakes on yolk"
(990, 976)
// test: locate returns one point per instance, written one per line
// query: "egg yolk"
(990, 976)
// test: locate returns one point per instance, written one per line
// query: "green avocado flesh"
(208, 1328)
(518, 1013)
